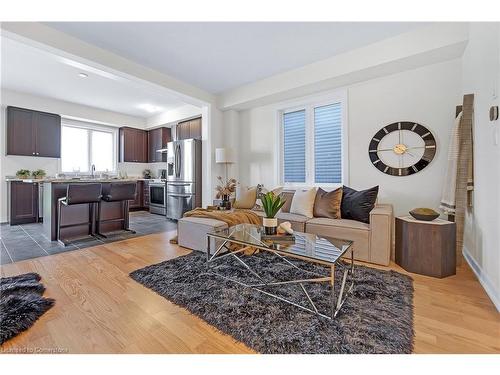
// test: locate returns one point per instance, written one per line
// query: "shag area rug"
(377, 316)
(21, 304)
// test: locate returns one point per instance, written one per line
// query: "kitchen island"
(55, 189)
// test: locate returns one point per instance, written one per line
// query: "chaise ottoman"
(192, 232)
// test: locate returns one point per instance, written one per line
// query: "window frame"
(89, 127)
(308, 104)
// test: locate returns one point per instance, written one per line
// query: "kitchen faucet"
(92, 170)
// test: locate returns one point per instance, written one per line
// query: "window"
(313, 144)
(84, 144)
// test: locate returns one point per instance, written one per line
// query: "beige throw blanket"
(231, 218)
(450, 182)
(460, 147)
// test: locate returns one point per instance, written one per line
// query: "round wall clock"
(402, 148)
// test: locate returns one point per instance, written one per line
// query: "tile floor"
(26, 241)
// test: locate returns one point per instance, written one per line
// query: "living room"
(266, 187)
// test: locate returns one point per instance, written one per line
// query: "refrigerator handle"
(176, 160)
(179, 157)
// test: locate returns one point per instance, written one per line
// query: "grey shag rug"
(376, 318)
(21, 304)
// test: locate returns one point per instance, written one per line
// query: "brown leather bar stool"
(117, 192)
(79, 194)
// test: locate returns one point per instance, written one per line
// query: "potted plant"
(271, 203)
(39, 173)
(224, 191)
(23, 173)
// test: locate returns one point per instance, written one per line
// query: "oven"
(157, 198)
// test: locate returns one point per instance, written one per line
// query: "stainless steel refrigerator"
(183, 177)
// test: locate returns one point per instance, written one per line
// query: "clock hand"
(409, 153)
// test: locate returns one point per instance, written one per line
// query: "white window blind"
(328, 144)
(294, 146)
(313, 144)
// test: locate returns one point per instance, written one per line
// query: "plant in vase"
(39, 173)
(23, 173)
(225, 190)
(271, 203)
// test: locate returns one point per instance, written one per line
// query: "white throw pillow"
(303, 202)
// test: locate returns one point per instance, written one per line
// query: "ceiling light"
(83, 75)
(150, 108)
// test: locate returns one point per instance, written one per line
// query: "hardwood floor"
(100, 309)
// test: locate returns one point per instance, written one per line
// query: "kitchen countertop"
(66, 180)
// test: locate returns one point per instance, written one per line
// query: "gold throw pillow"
(327, 203)
(246, 199)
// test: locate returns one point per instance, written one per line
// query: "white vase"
(270, 225)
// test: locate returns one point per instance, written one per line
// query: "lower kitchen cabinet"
(23, 202)
(136, 204)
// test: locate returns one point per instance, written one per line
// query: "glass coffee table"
(245, 240)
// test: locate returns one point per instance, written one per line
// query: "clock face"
(402, 148)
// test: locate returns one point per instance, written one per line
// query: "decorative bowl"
(425, 214)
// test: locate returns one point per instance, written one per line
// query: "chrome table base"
(336, 301)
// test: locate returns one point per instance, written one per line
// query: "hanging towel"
(448, 199)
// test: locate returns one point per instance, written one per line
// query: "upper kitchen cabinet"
(158, 139)
(133, 145)
(195, 128)
(33, 133)
(189, 129)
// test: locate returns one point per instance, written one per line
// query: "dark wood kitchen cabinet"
(189, 129)
(157, 139)
(33, 133)
(195, 128)
(137, 202)
(23, 202)
(133, 145)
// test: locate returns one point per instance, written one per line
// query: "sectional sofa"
(372, 242)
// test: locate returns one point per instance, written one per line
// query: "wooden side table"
(426, 247)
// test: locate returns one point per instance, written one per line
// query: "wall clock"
(402, 148)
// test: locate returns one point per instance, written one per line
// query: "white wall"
(481, 77)
(171, 117)
(425, 95)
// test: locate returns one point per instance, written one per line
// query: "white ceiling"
(34, 71)
(220, 56)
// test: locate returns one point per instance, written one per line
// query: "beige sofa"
(372, 242)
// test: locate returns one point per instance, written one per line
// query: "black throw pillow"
(356, 205)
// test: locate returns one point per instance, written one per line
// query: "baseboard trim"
(485, 282)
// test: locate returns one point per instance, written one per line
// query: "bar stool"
(79, 194)
(117, 192)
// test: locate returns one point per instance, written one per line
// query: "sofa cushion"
(356, 205)
(342, 223)
(351, 230)
(303, 202)
(298, 221)
(327, 203)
